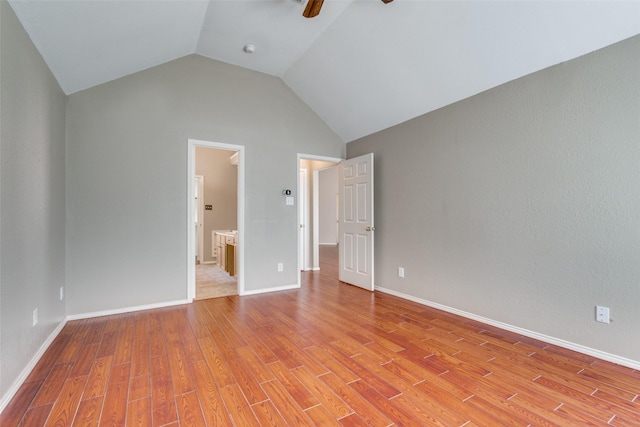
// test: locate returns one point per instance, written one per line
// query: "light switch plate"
(602, 314)
(289, 201)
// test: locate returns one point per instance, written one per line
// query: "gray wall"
(32, 199)
(220, 191)
(127, 177)
(522, 204)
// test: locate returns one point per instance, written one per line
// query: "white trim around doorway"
(191, 167)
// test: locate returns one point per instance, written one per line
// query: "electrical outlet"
(61, 293)
(602, 314)
(35, 316)
(280, 267)
(401, 272)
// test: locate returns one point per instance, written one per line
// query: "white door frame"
(199, 244)
(191, 167)
(315, 218)
(302, 156)
(303, 219)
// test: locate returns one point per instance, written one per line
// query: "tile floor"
(213, 282)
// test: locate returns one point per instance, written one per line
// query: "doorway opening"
(355, 222)
(317, 209)
(215, 219)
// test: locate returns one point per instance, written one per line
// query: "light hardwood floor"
(327, 354)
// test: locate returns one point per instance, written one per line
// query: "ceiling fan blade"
(313, 8)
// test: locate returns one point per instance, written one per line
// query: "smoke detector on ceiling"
(249, 48)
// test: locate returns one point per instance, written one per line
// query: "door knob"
(370, 229)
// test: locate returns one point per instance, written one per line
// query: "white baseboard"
(126, 310)
(634, 364)
(17, 383)
(328, 244)
(274, 289)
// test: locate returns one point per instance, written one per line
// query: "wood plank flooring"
(327, 354)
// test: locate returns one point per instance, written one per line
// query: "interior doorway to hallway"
(317, 208)
(215, 220)
(355, 219)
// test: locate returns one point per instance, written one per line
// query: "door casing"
(199, 243)
(303, 215)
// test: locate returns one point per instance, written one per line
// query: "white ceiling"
(361, 65)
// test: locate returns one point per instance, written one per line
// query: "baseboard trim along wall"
(274, 289)
(634, 364)
(126, 310)
(32, 364)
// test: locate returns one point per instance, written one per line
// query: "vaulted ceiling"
(361, 65)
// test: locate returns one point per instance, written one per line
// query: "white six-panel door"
(355, 227)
